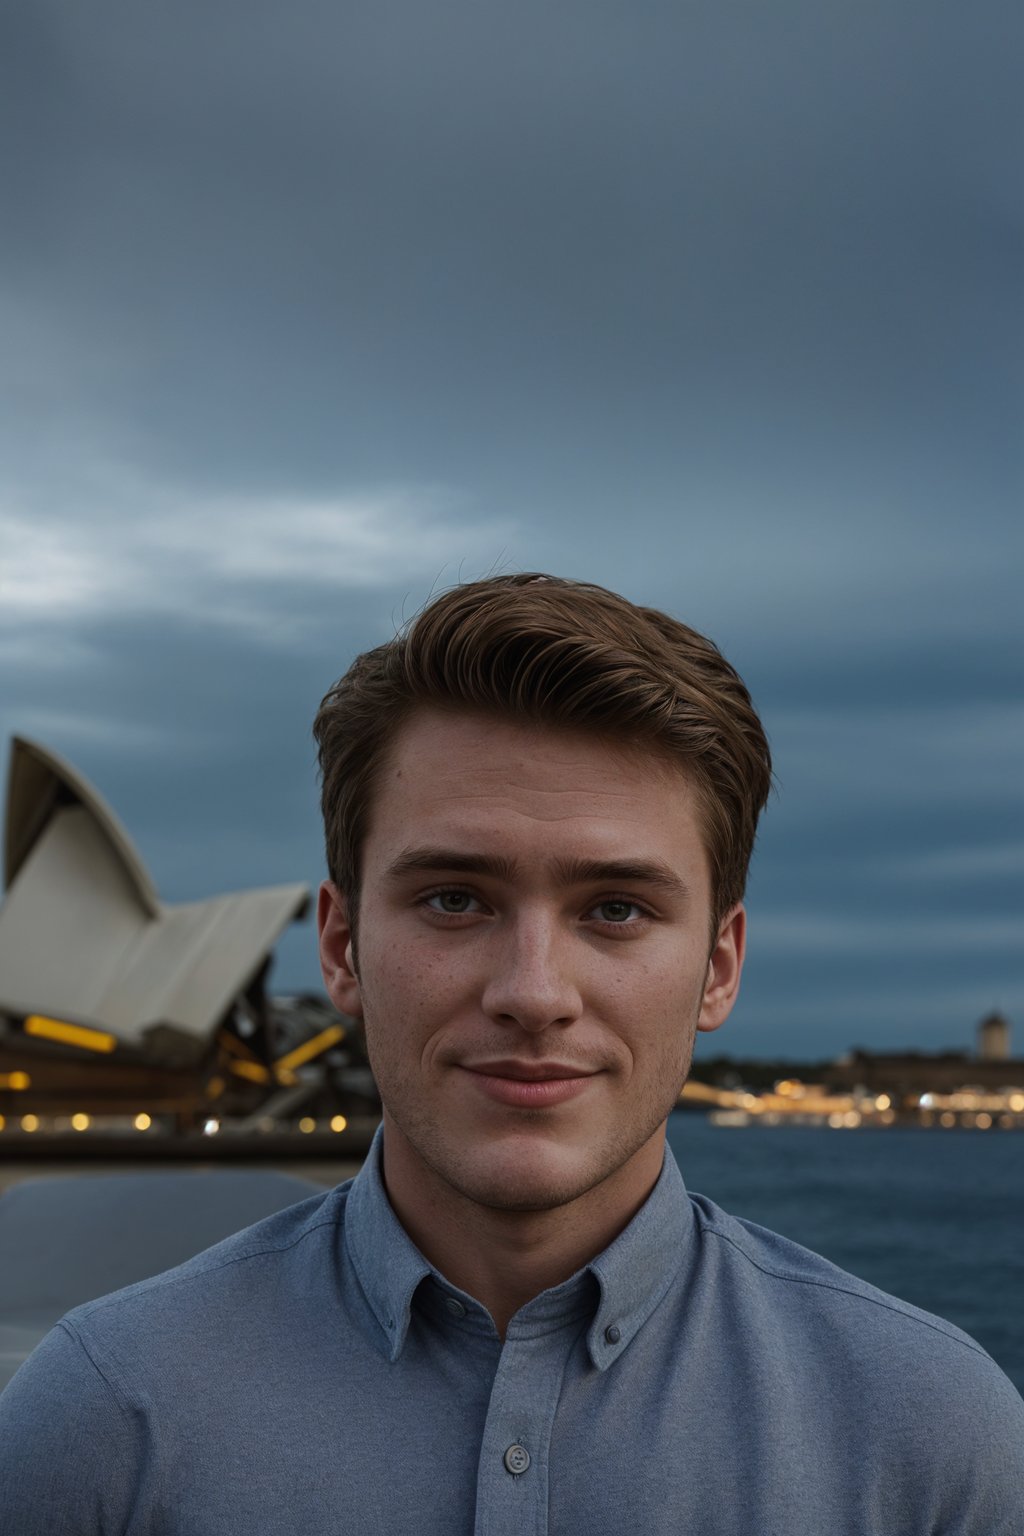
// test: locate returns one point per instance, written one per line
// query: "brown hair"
(553, 652)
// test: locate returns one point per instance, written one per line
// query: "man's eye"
(618, 911)
(453, 903)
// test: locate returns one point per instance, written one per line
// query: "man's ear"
(725, 964)
(336, 958)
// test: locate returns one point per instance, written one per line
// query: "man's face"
(533, 958)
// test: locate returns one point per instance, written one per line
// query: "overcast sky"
(309, 310)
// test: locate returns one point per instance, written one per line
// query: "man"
(540, 803)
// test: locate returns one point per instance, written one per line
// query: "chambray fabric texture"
(314, 1374)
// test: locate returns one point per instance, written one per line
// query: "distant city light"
(307, 1124)
(80, 1122)
(143, 1122)
(30, 1122)
(338, 1122)
(211, 1127)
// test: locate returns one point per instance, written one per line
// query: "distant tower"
(994, 1038)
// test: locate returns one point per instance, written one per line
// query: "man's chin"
(524, 1180)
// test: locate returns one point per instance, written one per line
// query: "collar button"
(613, 1334)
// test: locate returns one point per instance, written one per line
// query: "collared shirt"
(315, 1374)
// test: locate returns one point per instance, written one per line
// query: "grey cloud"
(972, 861)
(787, 933)
(339, 219)
(253, 562)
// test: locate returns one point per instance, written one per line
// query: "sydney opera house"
(120, 1012)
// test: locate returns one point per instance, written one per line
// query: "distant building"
(994, 1038)
(902, 1073)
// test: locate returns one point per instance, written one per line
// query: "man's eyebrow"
(569, 871)
(433, 860)
(622, 872)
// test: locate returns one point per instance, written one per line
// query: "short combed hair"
(548, 651)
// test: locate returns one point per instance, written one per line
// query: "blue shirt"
(315, 1374)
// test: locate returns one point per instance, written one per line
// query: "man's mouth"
(528, 1084)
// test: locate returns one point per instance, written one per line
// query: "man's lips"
(528, 1084)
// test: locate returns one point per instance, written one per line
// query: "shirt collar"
(633, 1273)
(636, 1270)
(387, 1262)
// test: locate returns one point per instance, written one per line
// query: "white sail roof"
(84, 936)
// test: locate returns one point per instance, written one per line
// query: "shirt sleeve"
(70, 1449)
(982, 1458)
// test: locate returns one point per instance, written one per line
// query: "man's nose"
(532, 983)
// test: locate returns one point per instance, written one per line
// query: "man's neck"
(504, 1258)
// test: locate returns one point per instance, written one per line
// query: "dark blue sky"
(310, 310)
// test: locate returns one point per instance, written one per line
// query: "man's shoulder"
(839, 1314)
(242, 1272)
(129, 1387)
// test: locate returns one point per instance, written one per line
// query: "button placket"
(512, 1481)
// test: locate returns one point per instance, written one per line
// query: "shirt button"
(517, 1459)
(613, 1334)
(455, 1306)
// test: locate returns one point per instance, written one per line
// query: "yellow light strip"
(232, 1043)
(310, 1048)
(69, 1034)
(775, 1103)
(251, 1070)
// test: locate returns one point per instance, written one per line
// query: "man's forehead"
(485, 791)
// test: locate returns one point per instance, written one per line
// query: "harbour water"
(936, 1217)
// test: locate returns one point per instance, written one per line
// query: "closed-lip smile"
(528, 1084)
(528, 1071)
